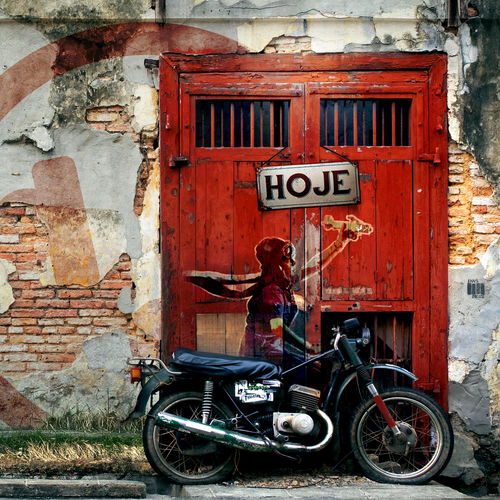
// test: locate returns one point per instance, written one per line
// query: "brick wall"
(46, 325)
(473, 216)
(44, 329)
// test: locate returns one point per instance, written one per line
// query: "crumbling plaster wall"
(80, 270)
(104, 116)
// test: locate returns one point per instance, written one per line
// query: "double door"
(227, 117)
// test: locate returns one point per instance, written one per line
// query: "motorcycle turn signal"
(135, 374)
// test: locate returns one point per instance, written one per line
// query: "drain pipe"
(237, 439)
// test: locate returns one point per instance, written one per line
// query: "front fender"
(158, 380)
(379, 366)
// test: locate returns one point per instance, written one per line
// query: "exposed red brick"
(66, 330)
(26, 257)
(50, 323)
(113, 284)
(42, 294)
(61, 313)
(74, 294)
(52, 303)
(28, 313)
(124, 266)
(23, 303)
(15, 210)
(87, 304)
(16, 248)
(24, 321)
(32, 330)
(106, 294)
(57, 358)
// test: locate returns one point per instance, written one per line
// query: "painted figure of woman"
(271, 304)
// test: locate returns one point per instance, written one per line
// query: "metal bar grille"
(365, 122)
(242, 123)
(391, 334)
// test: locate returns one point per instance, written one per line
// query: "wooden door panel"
(394, 230)
(214, 203)
(378, 265)
(335, 282)
(363, 252)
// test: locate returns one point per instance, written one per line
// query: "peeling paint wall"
(79, 256)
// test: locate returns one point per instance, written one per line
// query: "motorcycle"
(212, 405)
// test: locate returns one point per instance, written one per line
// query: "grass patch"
(75, 443)
(54, 454)
(85, 422)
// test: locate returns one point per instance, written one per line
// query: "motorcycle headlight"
(351, 328)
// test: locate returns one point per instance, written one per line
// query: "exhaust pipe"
(237, 439)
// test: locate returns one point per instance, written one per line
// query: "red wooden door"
(383, 259)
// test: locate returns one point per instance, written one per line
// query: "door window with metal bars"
(225, 123)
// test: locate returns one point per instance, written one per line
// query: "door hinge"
(433, 157)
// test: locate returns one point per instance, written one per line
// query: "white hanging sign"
(292, 186)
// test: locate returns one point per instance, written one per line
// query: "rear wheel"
(421, 452)
(186, 458)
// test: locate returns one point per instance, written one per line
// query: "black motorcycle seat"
(223, 365)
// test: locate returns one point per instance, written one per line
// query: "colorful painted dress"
(268, 302)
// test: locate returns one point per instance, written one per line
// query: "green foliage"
(77, 420)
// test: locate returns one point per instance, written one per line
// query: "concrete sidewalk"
(154, 488)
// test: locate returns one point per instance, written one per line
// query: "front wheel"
(423, 449)
(186, 458)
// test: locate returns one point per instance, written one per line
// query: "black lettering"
(339, 182)
(291, 189)
(278, 186)
(326, 185)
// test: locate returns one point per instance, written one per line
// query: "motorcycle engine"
(303, 400)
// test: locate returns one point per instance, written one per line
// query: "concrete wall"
(79, 259)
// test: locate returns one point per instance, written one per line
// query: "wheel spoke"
(408, 456)
(187, 456)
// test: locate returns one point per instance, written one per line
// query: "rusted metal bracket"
(434, 386)
(153, 67)
(178, 161)
(433, 157)
(151, 63)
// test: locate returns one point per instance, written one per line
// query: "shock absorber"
(206, 406)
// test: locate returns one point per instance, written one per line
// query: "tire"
(185, 458)
(427, 429)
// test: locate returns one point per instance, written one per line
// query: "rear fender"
(353, 376)
(160, 379)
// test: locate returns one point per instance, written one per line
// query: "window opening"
(365, 122)
(242, 123)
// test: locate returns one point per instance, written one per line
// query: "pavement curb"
(371, 492)
(153, 487)
(71, 488)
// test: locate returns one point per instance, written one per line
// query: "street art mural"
(271, 330)
(89, 283)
